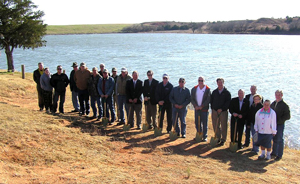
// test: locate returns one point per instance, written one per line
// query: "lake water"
(268, 61)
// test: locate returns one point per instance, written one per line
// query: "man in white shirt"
(200, 98)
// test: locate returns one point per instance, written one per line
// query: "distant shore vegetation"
(287, 25)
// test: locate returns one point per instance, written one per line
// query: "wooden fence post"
(23, 71)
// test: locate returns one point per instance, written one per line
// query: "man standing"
(180, 97)
(115, 96)
(59, 81)
(249, 97)
(220, 101)
(106, 87)
(200, 98)
(121, 92)
(94, 93)
(150, 85)
(36, 77)
(282, 114)
(81, 78)
(238, 108)
(134, 90)
(73, 88)
(102, 67)
(162, 95)
(47, 89)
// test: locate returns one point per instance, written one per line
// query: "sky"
(71, 12)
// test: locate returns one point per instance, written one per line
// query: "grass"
(85, 29)
(36, 147)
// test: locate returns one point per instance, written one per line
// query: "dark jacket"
(59, 82)
(36, 77)
(93, 85)
(115, 79)
(205, 100)
(149, 90)
(282, 111)
(234, 107)
(134, 92)
(162, 92)
(73, 86)
(180, 98)
(220, 101)
(252, 111)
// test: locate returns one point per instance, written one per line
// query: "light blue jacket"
(180, 98)
(109, 86)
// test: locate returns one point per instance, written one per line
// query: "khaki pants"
(221, 132)
(116, 106)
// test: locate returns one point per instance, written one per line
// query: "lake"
(271, 62)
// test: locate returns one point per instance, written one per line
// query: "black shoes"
(278, 158)
(221, 143)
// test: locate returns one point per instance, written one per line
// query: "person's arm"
(111, 87)
(187, 98)
(99, 84)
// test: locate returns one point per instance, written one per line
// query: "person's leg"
(216, 123)
(131, 115)
(224, 120)
(138, 112)
(86, 100)
(40, 97)
(232, 127)
(240, 131)
(93, 105)
(111, 108)
(121, 108)
(278, 141)
(247, 135)
(182, 120)
(255, 148)
(55, 100)
(203, 121)
(152, 113)
(175, 116)
(81, 101)
(98, 100)
(169, 117)
(263, 153)
(148, 113)
(75, 100)
(196, 116)
(62, 101)
(161, 118)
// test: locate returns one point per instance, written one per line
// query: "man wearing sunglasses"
(59, 81)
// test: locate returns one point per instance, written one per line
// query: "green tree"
(20, 27)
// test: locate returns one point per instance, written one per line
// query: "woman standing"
(251, 118)
(47, 89)
(265, 125)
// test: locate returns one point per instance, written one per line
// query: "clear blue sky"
(69, 12)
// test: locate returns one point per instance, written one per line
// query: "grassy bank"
(36, 147)
(85, 29)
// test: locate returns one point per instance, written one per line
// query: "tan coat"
(81, 79)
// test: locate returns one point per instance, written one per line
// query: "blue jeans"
(75, 100)
(62, 96)
(122, 103)
(95, 100)
(109, 105)
(278, 141)
(203, 122)
(255, 148)
(83, 96)
(181, 115)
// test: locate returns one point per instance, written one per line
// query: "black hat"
(74, 64)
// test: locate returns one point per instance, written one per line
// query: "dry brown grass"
(41, 148)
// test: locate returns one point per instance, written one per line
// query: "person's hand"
(130, 100)
(135, 100)
(235, 114)
(161, 102)
(176, 106)
(180, 106)
(248, 126)
(106, 96)
(219, 111)
(102, 96)
(146, 99)
(240, 116)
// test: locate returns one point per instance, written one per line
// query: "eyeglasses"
(59, 68)
(200, 80)
(165, 78)
(181, 81)
(149, 75)
(114, 71)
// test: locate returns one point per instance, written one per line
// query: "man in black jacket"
(220, 101)
(238, 108)
(162, 95)
(282, 114)
(59, 81)
(150, 85)
(73, 88)
(134, 91)
(36, 77)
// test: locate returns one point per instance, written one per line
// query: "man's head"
(114, 71)
(278, 95)
(105, 73)
(181, 82)
(75, 66)
(220, 83)
(102, 66)
(201, 81)
(59, 69)
(165, 78)
(124, 71)
(253, 89)
(150, 74)
(41, 66)
(241, 94)
(47, 72)
(135, 75)
(82, 66)
(95, 71)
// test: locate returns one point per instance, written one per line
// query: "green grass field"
(85, 29)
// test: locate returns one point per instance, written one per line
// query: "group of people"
(124, 93)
